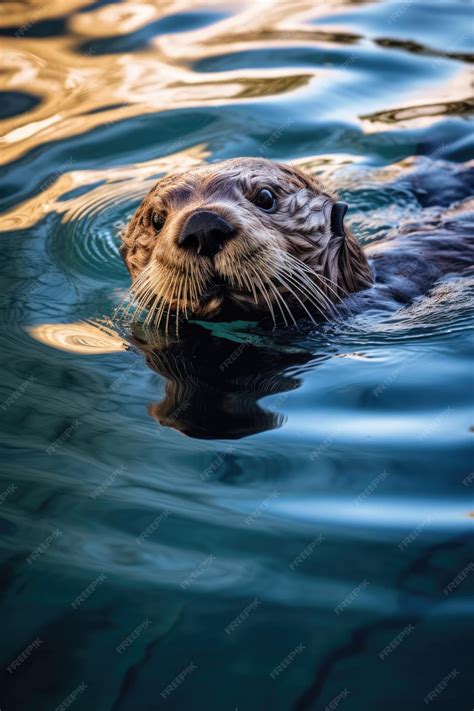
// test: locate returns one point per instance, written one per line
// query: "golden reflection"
(80, 337)
(80, 89)
(113, 20)
(118, 184)
(157, 77)
(26, 13)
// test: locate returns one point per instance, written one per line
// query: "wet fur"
(284, 263)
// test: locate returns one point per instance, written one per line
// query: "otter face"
(261, 237)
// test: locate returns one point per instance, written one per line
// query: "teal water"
(290, 531)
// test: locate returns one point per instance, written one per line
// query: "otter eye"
(265, 200)
(157, 220)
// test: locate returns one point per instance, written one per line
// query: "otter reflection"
(213, 384)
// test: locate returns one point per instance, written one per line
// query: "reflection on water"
(307, 544)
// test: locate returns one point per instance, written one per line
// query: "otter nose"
(206, 232)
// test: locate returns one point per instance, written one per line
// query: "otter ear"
(338, 212)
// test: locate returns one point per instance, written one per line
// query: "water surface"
(297, 532)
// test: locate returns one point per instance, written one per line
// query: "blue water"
(293, 531)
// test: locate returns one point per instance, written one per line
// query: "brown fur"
(283, 262)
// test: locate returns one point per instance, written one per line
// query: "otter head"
(257, 236)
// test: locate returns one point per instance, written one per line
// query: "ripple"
(83, 338)
(89, 238)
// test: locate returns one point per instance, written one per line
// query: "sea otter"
(251, 236)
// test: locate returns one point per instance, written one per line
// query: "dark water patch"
(109, 107)
(77, 192)
(97, 5)
(13, 103)
(36, 27)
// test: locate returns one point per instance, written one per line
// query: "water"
(320, 510)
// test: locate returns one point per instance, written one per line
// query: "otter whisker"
(185, 296)
(178, 307)
(310, 287)
(243, 281)
(329, 282)
(146, 294)
(315, 296)
(158, 291)
(251, 286)
(161, 309)
(265, 293)
(280, 300)
(151, 311)
(310, 276)
(141, 290)
(131, 295)
(269, 267)
(306, 289)
(170, 301)
(331, 306)
(288, 287)
(305, 294)
(322, 298)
